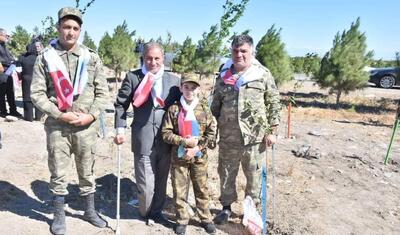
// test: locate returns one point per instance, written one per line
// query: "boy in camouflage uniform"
(246, 106)
(189, 126)
(72, 123)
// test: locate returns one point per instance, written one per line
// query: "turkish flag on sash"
(64, 90)
(143, 91)
(228, 78)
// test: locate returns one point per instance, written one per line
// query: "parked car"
(385, 77)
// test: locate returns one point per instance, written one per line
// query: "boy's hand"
(191, 142)
(191, 152)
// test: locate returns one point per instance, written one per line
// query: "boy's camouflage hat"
(190, 77)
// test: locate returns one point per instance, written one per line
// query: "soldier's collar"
(60, 51)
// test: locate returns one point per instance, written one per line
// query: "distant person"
(6, 80)
(69, 85)
(27, 61)
(139, 49)
(246, 106)
(151, 91)
(189, 126)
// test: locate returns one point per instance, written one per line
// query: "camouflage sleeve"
(101, 88)
(39, 90)
(168, 131)
(209, 136)
(217, 100)
(272, 101)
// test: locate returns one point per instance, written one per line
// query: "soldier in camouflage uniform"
(189, 152)
(246, 106)
(70, 129)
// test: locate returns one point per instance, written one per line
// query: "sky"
(307, 25)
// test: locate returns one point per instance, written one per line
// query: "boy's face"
(189, 90)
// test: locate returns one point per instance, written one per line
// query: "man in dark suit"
(6, 81)
(151, 91)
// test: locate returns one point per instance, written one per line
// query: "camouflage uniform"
(196, 168)
(244, 117)
(63, 138)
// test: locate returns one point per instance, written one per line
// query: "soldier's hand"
(68, 117)
(119, 139)
(82, 120)
(191, 142)
(270, 140)
(191, 152)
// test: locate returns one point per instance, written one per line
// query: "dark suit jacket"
(147, 120)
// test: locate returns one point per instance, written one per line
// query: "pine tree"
(20, 39)
(342, 68)
(311, 64)
(210, 47)
(117, 51)
(207, 52)
(88, 41)
(271, 53)
(48, 31)
(184, 60)
(168, 45)
(297, 64)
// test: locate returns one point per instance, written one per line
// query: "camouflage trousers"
(63, 141)
(196, 171)
(231, 155)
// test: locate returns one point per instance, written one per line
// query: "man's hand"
(68, 117)
(119, 139)
(191, 142)
(82, 120)
(270, 140)
(191, 152)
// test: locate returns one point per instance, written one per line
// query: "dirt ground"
(329, 175)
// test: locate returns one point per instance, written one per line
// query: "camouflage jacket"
(255, 107)
(94, 96)
(208, 127)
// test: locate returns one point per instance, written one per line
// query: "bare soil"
(339, 186)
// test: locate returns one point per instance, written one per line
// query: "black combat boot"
(224, 215)
(209, 227)
(58, 226)
(91, 214)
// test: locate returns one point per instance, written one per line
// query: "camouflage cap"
(70, 11)
(190, 77)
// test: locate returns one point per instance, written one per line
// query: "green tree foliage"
(297, 64)
(117, 51)
(311, 64)
(83, 10)
(210, 47)
(207, 52)
(342, 68)
(168, 45)
(20, 39)
(104, 48)
(386, 63)
(88, 41)
(272, 54)
(232, 13)
(49, 30)
(185, 58)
